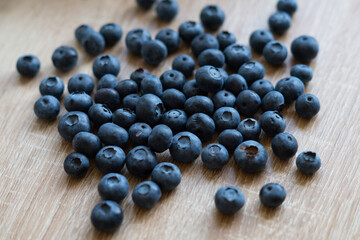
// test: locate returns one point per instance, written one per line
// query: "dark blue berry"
(145, 4)
(160, 138)
(146, 194)
(112, 134)
(226, 118)
(124, 117)
(107, 81)
(229, 200)
(139, 133)
(175, 119)
(170, 38)
(52, 86)
(224, 98)
(235, 83)
(93, 43)
(112, 33)
(76, 165)
(203, 42)
(130, 101)
(209, 79)
(212, 57)
(291, 88)
(212, 17)
(107, 216)
(47, 107)
(189, 30)
(166, 175)
(259, 38)
(236, 55)
(288, 6)
(225, 39)
(72, 123)
(307, 105)
(86, 143)
(173, 99)
(99, 114)
(272, 195)
(252, 71)
(154, 52)
(106, 64)
(279, 22)
(113, 186)
(78, 101)
(82, 31)
(139, 74)
(192, 89)
(272, 123)
(81, 83)
(126, 87)
(275, 52)
(273, 101)
(185, 147)
(308, 162)
(184, 64)
(248, 102)
(28, 65)
(199, 104)
(250, 156)
(284, 145)
(140, 161)
(215, 156)
(151, 84)
(201, 125)
(166, 10)
(110, 159)
(230, 138)
(304, 48)
(250, 129)
(64, 58)
(135, 39)
(172, 79)
(108, 96)
(149, 109)
(262, 87)
(302, 71)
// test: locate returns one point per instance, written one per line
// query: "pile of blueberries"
(170, 113)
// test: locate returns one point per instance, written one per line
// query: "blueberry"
(229, 200)
(209, 79)
(172, 79)
(113, 186)
(146, 194)
(82, 31)
(202, 42)
(64, 58)
(107, 81)
(212, 57)
(47, 107)
(126, 87)
(225, 39)
(236, 55)
(248, 102)
(52, 86)
(288, 6)
(86, 143)
(175, 119)
(76, 165)
(99, 114)
(273, 101)
(262, 87)
(28, 65)
(124, 117)
(112, 33)
(160, 138)
(184, 64)
(226, 118)
(151, 84)
(252, 71)
(307, 105)
(235, 83)
(93, 43)
(154, 52)
(259, 38)
(135, 39)
(250, 129)
(185, 147)
(230, 138)
(284, 145)
(212, 17)
(304, 48)
(192, 89)
(140, 161)
(139, 74)
(291, 88)
(149, 109)
(145, 4)
(199, 104)
(108, 96)
(106, 64)
(189, 30)
(107, 216)
(81, 83)
(166, 10)
(72, 123)
(250, 156)
(308, 162)
(166, 175)
(215, 156)
(139, 133)
(173, 99)
(170, 38)
(272, 123)
(130, 101)
(302, 71)
(112, 134)
(110, 159)
(279, 22)
(78, 101)
(224, 98)
(201, 125)
(275, 52)
(272, 195)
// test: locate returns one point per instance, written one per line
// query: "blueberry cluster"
(148, 114)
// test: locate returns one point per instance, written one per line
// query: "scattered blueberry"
(86, 143)
(291, 88)
(110, 159)
(284, 145)
(149, 109)
(64, 58)
(108, 81)
(273, 101)
(252, 71)
(215, 156)
(250, 156)
(185, 147)
(203, 42)
(81, 83)
(28, 65)
(191, 89)
(184, 64)
(173, 99)
(236, 55)
(209, 79)
(199, 104)
(212, 57)
(154, 52)
(47, 107)
(113, 186)
(272, 195)
(272, 123)
(189, 30)
(130, 101)
(166, 10)
(112, 33)
(259, 38)
(72, 123)
(224, 98)
(226, 118)
(229, 200)
(172, 79)
(304, 48)
(126, 87)
(160, 138)
(78, 101)
(262, 87)
(212, 17)
(139, 133)
(201, 125)
(275, 52)
(108, 96)
(250, 129)
(106, 64)
(279, 22)
(170, 38)
(140, 161)
(145, 4)
(139, 74)
(82, 31)
(288, 6)
(93, 43)
(112, 134)
(302, 71)
(308, 162)
(166, 175)
(124, 117)
(146, 194)
(76, 165)
(248, 102)
(107, 216)
(175, 119)
(235, 83)
(135, 39)
(307, 105)
(230, 138)
(99, 114)
(52, 86)
(151, 84)
(225, 39)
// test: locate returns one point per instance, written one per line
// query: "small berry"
(110, 159)
(209, 79)
(113, 186)
(225, 39)
(149, 109)
(47, 107)
(215, 156)
(107, 216)
(81, 83)
(189, 30)
(230, 138)
(272, 123)
(212, 17)
(236, 55)
(235, 83)
(93, 43)
(272, 195)
(248, 102)
(130, 101)
(151, 84)
(250, 129)
(250, 156)
(279, 22)
(191, 89)
(106, 64)
(82, 31)
(166, 10)
(99, 114)
(212, 57)
(160, 138)
(28, 65)
(112, 33)
(184, 64)
(154, 52)
(78, 101)
(185, 147)
(112, 134)
(139, 133)
(284, 145)
(173, 99)
(226, 118)
(229, 200)
(275, 53)
(72, 123)
(307, 105)
(304, 48)
(140, 161)
(52, 86)
(107, 81)
(262, 87)
(76, 165)
(124, 117)
(224, 98)
(135, 39)
(203, 42)
(288, 6)
(126, 87)
(170, 38)
(302, 71)
(175, 119)
(64, 58)
(139, 74)
(291, 88)
(201, 125)
(273, 101)
(259, 38)
(252, 71)
(199, 104)
(146, 194)
(86, 143)
(108, 96)
(172, 79)
(145, 4)
(166, 175)
(308, 162)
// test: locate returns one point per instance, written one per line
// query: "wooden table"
(39, 201)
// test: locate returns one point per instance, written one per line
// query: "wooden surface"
(39, 201)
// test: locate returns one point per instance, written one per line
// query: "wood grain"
(38, 200)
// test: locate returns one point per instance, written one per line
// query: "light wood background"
(39, 201)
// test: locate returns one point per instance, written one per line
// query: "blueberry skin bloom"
(304, 48)
(76, 165)
(275, 53)
(112, 134)
(149, 109)
(124, 117)
(289, 6)
(139, 133)
(248, 102)
(250, 156)
(93, 43)
(47, 108)
(215, 156)
(189, 30)
(212, 57)
(212, 17)
(272, 195)
(64, 58)
(250, 129)
(107, 81)
(112, 33)
(184, 64)
(252, 71)
(273, 101)
(199, 104)
(201, 125)
(203, 42)
(166, 175)
(139, 74)
(225, 39)
(154, 52)
(209, 79)
(145, 4)
(81, 83)
(113, 186)
(308, 162)
(108, 96)
(130, 101)
(191, 89)
(173, 99)
(146, 194)
(151, 84)
(302, 71)
(307, 106)
(185, 147)
(82, 31)
(140, 161)
(110, 159)
(78, 101)
(259, 38)
(166, 10)
(172, 79)
(52, 86)
(284, 145)
(229, 200)
(160, 138)
(291, 88)
(235, 83)
(135, 39)
(272, 123)
(279, 22)
(175, 119)
(126, 87)
(236, 55)
(224, 98)
(107, 216)
(230, 138)
(262, 87)
(106, 64)
(170, 38)
(87, 144)
(226, 118)
(99, 114)
(72, 123)
(28, 65)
